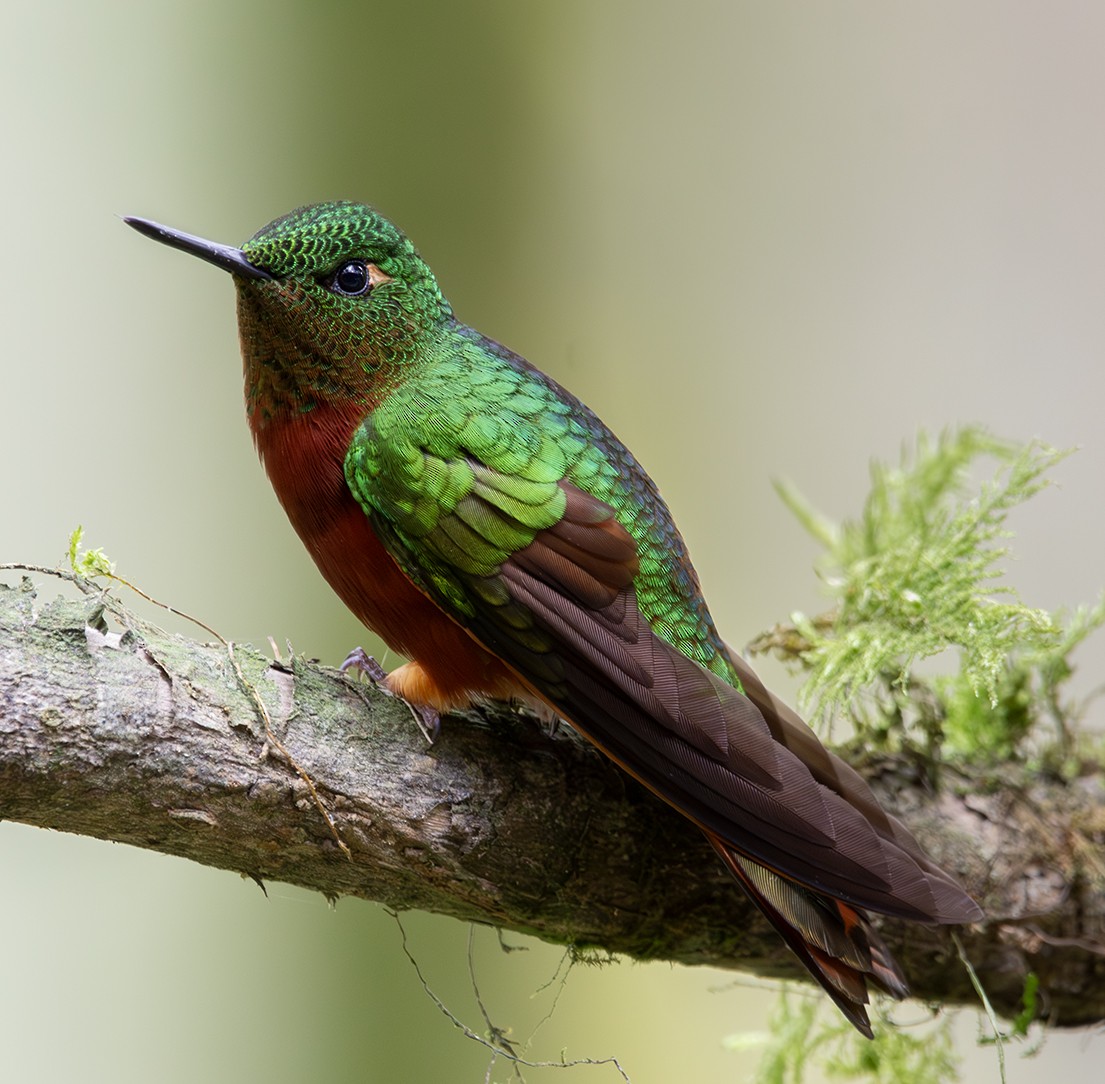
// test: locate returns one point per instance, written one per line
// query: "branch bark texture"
(142, 737)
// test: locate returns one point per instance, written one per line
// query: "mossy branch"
(112, 728)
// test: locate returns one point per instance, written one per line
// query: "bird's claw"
(359, 661)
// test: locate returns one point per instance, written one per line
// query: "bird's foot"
(360, 661)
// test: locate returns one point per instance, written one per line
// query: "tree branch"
(146, 738)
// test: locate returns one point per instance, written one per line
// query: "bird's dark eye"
(351, 279)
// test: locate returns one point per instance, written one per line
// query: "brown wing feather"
(788, 728)
(758, 780)
(705, 748)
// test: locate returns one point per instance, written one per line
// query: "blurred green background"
(759, 239)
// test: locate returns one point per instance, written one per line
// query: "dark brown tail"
(835, 942)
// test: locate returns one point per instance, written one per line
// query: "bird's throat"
(297, 358)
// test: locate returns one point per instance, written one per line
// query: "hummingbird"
(493, 531)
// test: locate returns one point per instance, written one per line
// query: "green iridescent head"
(315, 242)
(333, 301)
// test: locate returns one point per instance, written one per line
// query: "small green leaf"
(87, 563)
(1024, 1018)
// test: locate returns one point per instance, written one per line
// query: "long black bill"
(224, 256)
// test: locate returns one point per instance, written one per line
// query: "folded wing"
(554, 596)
